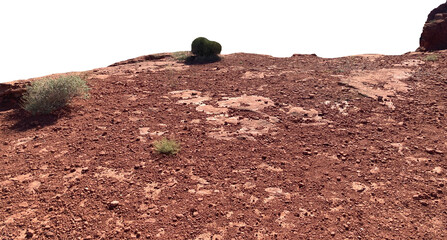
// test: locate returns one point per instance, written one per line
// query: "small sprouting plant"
(431, 58)
(166, 146)
(46, 95)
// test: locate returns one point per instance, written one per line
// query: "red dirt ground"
(272, 148)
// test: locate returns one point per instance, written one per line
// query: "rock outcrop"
(434, 33)
(12, 91)
(145, 58)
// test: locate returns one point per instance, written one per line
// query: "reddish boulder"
(12, 92)
(434, 34)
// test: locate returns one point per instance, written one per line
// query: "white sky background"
(51, 36)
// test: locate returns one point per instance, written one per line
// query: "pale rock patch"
(144, 130)
(253, 75)
(22, 141)
(208, 109)
(359, 187)
(438, 170)
(283, 220)
(244, 102)
(23, 178)
(368, 83)
(33, 186)
(112, 173)
(269, 168)
(153, 190)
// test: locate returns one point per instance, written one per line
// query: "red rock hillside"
(271, 148)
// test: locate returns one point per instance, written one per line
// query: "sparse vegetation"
(166, 146)
(181, 55)
(173, 81)
(338, 71)
(47, 95)
(431, 58)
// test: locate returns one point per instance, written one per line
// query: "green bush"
(198, 46)
(46, 95)
(203, 47)
(214, 48)
(166, 146)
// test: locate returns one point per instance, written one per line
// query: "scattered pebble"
(433, 151)
(113, 204)
(374, 170)
(29, 233)
(359, 187)
(144, 130)
(137, 166)
(437, 170)
(430, 150)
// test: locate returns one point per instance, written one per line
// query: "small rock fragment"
(359, 187)
(144, 130)
(137, 166)
(274, 191)
(424, 203)
(430, 150)
(433, 151)
(33, 186)
(307, 152)
(140, 139)
(417, 197)
(29, 233)
(113, 204)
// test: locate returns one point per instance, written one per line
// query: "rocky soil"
(272, 148)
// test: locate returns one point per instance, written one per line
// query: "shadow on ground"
(8, 105)
(25, 121)
(197, 60)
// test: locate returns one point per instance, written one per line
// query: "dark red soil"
(298, 148)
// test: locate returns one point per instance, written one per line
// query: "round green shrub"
(214, 48)
(198, 46)
(205, 48)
